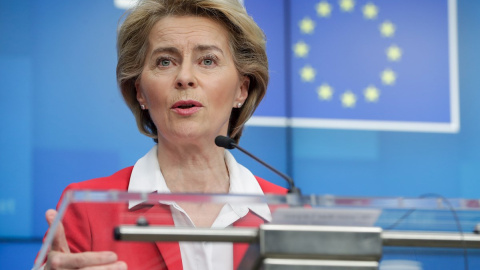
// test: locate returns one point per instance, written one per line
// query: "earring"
(142, 106)
(239, 105)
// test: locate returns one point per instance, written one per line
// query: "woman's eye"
(164, 62)
(207, 62)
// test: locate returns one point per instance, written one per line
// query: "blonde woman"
(189, 70)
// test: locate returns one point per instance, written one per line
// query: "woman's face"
(189, 82)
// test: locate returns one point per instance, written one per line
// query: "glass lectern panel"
(145, 229)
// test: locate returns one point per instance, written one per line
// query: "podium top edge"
(431, 202)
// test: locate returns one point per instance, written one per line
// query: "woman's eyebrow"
(203, 48)
(175, 51)
(171, 50)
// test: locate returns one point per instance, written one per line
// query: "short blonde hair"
(246, 40)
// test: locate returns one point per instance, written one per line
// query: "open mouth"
(186, 104)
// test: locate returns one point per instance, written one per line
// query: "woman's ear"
(243, 93)
(140, 97)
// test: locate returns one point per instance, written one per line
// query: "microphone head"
(225, 142)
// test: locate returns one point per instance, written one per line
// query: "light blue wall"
(63, 120)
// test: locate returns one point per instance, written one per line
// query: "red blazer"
(89, 227)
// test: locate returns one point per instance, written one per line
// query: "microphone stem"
(289, 180)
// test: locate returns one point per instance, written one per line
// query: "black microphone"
(229, 143)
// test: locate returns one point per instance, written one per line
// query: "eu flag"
(374, 64)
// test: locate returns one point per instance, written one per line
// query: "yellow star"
(370, 11)
(371, 93)
(325, 92)
(387, 29)
(324, 9)
(301, 49)
(347, 5)
(307, 73)
(388, 77)
(394, 53)
(307, 25)
(348, 99)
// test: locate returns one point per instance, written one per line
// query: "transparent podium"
(151, 231)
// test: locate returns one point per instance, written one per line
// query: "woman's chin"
(196, 132)
(190, 133)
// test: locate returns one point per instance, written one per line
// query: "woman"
(189, 70)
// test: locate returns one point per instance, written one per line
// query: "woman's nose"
(186, 77)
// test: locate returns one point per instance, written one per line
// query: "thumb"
(59, 240)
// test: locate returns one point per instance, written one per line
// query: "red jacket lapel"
(170, 251)
(251, 220)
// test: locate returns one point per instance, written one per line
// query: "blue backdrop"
(63, 119)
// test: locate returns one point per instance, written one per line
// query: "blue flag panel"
(384, 65)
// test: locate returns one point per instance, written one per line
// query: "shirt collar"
(146, 177)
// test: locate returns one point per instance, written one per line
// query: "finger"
(58, 260)
(114, 266)
(59, 242)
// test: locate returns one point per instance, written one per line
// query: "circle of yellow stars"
(387, 29)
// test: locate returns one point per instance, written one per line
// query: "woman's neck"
(193, 168)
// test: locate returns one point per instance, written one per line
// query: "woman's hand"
(60, 257)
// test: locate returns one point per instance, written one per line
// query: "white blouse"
(147, 177)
